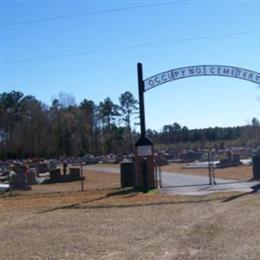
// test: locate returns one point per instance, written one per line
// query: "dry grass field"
(58, 221)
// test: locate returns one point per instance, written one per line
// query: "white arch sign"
(201, 70)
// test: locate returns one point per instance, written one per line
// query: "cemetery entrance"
(211, 166)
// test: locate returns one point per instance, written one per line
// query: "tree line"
(177, 137)
(30, 128)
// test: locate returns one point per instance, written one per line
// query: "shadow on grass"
(135, 205)
(133, 192)
(207, 184)
(126, 191)
(254, 188)
(130, 192)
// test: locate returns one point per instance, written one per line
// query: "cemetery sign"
(144, 148)
(201, 70)
(186, 72)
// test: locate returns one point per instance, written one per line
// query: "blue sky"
(94, 56)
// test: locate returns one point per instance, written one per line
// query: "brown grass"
(59, 222)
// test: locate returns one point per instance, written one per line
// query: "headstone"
(19, 180)
(256, 166)
(55, 176)
(74, 174)
(127, 174)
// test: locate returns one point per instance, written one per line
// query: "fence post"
(81, 177)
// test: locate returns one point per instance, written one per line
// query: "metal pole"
(209, 168)
(212, 164)
(81, 176)
(141, 97)
(159, 173)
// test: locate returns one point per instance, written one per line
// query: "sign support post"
(144, 163)
(141, 97)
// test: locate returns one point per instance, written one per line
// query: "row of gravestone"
(57, 176)
(20, 179)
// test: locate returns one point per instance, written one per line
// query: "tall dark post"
(141, 97)
(144, 160)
